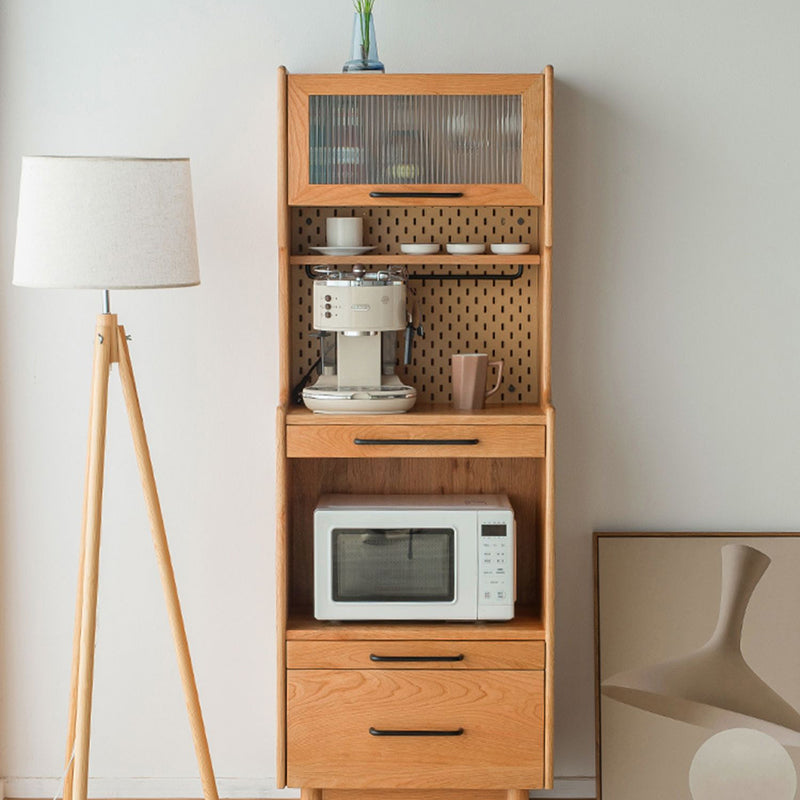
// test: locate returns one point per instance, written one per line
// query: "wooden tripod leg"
(165, 567)
(76, 636)
(69, 767)
(104, 353)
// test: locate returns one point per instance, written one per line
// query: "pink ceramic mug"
(469, 379)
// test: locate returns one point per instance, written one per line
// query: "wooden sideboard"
(494, 707)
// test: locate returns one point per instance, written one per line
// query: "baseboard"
(229, 788)
(148, 788)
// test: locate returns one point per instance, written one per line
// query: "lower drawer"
(470, 729)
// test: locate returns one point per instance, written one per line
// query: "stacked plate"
(510, 249)
(464, 248)
(419, 249)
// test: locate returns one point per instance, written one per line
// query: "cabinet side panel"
(296, 138)
(532, 143)
(281, 498)
(545, 514)
(546, 247)
(547, 525)
(281, 593)
(547, 221)
(284, 246)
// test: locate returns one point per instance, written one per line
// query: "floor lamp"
(111, 223)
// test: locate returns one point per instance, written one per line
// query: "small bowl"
(419, 248)
(510, 248)
(464, 249)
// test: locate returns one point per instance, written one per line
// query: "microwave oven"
(414, 557)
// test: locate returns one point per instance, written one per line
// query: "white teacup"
(344, 231)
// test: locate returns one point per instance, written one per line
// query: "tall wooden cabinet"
(427, 158)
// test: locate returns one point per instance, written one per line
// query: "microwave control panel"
(496, 569)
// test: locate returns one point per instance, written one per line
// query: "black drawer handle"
(418, 441)
(373, 657)
(378, 732)
(416, 194)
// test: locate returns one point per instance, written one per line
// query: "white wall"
(676, 356)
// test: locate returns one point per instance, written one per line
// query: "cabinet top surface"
(443, 83)
(345, 76)
(521, 414)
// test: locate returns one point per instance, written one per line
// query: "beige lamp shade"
(714, 687)
(105, 223)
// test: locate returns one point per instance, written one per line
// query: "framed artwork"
(697, 656)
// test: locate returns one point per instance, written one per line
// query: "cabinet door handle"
(417, 441)
(379, 732)
(373, 657)
(416, 194)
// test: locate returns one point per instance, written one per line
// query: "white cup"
(344, 231)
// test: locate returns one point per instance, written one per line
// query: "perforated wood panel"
(497, 317)
(386, 228)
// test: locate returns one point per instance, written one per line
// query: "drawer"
(415, 655)
(415, 441)
(423, 729)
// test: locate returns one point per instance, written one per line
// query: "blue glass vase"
(364, 49)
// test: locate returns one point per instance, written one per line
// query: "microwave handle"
(382, 732)
(373, 657)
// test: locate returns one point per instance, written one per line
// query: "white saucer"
(419, 248)
(462, 248)
(510, 248)
(342, 251)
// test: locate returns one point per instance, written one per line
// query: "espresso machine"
(358, 314)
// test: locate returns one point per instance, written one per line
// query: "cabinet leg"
(517, 794)
(310, 794)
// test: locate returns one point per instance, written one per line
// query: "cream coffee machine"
(358, 314)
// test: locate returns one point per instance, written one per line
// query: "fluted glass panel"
(432, 139)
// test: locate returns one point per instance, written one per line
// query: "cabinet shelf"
(403, 258)
(526, 625)
(437, 413)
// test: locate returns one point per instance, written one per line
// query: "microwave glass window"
(394, 565)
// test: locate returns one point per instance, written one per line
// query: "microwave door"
(394, 565)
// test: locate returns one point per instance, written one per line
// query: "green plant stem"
(365, 16)
(364, 10)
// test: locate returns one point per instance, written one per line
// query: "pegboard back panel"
(497, 317)
(385, 228)
(458, 316)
